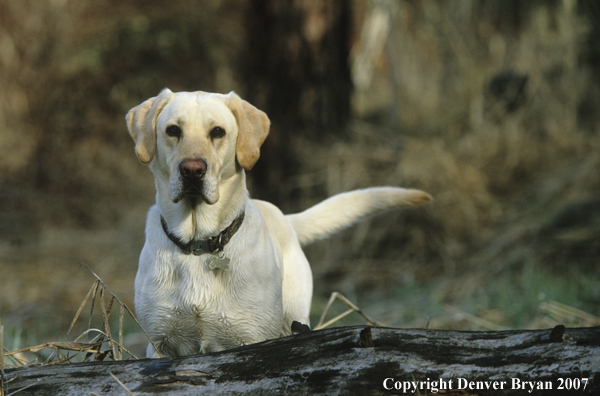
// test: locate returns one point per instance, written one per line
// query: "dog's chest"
(191, 328)
(200, 310)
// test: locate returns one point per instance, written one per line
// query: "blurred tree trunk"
(297, 71)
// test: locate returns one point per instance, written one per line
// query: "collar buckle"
(198, 247)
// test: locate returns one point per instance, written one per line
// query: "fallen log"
(350, 361)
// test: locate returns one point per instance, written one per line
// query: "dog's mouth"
(187, 189)
(194, 191)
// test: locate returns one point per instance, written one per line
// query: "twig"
(562, 312)
(121, 314)
(94, 295)
(67, 345)
(353, 308)
(126, 308)
(22, 389)
(94, 287)
(1, 359)
(486, 324)
(106, 323)
(120, 383)
(16, 360)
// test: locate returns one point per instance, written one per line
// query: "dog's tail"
(343, 210)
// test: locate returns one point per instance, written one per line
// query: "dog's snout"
(192, 168)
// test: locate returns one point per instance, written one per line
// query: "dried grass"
(567, 315)
(1, 359)
(353, 308)
(477, 321)
(103, 343)
(122, 384)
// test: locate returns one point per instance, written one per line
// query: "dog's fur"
(185, 306)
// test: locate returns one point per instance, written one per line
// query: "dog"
(219, 270)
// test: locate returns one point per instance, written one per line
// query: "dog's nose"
(192, 168)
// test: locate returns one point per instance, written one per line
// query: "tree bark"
(349, 361)
(297, 62)
(297, 71)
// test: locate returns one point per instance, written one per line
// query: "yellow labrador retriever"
(218, 269)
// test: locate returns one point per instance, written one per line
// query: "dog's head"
(197, 139)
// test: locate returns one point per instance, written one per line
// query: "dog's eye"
(174, 131)
(217, 132)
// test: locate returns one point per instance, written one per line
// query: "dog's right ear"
(141, 122)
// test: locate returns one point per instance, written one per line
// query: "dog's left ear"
(141, 123)
(253, 127)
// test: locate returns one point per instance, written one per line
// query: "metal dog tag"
(219, 261)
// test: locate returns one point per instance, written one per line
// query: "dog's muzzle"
(192, 171)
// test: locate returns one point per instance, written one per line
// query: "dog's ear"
(253, 126)
(141, 122)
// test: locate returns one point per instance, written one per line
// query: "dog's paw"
(299, 328)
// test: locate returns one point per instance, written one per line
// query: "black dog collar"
(203, 246)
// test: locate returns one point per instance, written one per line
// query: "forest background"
(490, 106)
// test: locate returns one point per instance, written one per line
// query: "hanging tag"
(219, 261)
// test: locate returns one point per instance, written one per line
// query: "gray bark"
(348, 361)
